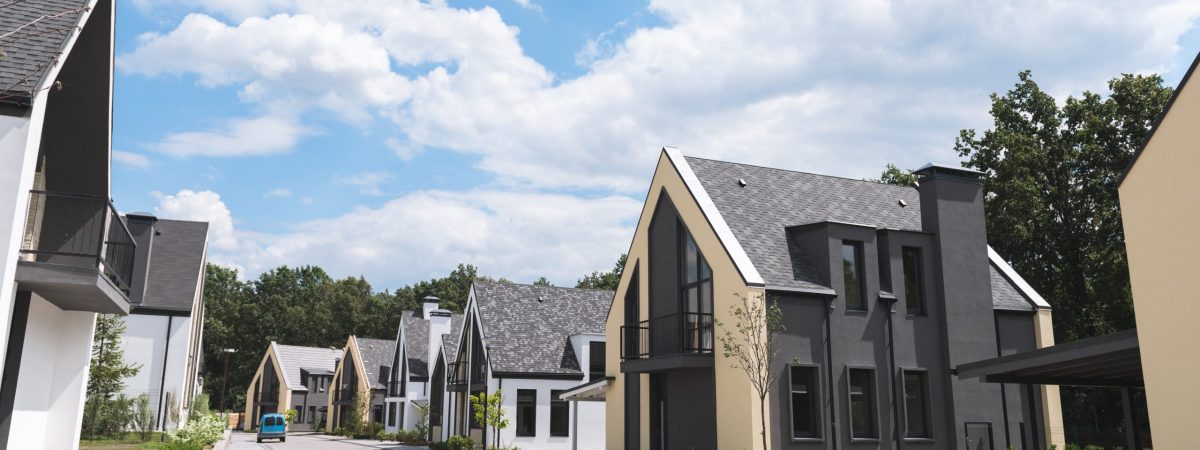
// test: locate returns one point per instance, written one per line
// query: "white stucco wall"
(19, 141)
(48, 408)
(144, 341)
(590, 416)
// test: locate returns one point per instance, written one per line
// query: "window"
(915, 406)
(560, 415)
(526, 412)
(914, 288)
(697, 295)
(595, 361)
(862, 403)
(377, 414)
(803, 381)
(852, 271)
(392, 414)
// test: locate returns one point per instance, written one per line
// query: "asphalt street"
(310, 441)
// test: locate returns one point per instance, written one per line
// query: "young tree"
(143, 417)
(107, 370)
(749, 342)
(490, 413)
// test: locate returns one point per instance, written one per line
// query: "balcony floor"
(667, 362)
(72, 288)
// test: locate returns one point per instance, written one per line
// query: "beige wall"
(1054, 433)
(1161, 213)
(285, 395)
(363, 387)
(737, 409)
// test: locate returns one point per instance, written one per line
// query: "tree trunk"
(762, 418)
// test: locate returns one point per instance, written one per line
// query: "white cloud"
(519, 235)
(278, 193)
(131, 160)
(264, 135)
(368, 183)
(527, 4)
(837, 86)
(205, 206)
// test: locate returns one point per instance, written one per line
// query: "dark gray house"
(883, 290)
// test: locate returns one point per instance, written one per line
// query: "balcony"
(396, 389)
(674, 341)
(344, 395)
(76, 252)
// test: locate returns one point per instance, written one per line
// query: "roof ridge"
(537, 286)
(836, 177)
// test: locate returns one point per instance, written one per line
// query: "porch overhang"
(592, 391)
(1112, 360)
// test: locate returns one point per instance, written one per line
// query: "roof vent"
(903, 203)
(539, 299)
(741, 182)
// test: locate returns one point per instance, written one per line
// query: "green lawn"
(129, 443)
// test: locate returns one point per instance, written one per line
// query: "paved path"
(306, 441)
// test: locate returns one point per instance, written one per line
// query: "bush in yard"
(182, 445)
(204, 430)
(200, 406)
(460, 443)
(143, 417)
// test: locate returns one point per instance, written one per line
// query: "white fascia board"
(1011, 274)
(715, 220)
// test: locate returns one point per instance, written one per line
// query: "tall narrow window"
(697, 296)
(803, 381)
(914, 286)
(560, 415)
(915, 408)
(526, 412)
(852, 273)
(862, 403)
(596, 367)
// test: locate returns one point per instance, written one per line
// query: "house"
(439, 394)
(1161, 219)
(883, 291)
(418, 341)
(292, 377)
(531, 343)
(364, 371)
(165, 326)
(65, 253)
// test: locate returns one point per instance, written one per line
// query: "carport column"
(1132, 440)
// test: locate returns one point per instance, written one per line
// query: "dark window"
(377, 414)
(595, 361)
(526, 412)
(697, 294)
(852, 271)
(803, 383)
(560, 415)
(862, 403)
(915, 406)
(914, 286)
(392, 414)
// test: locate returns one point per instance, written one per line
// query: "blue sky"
(394, 138)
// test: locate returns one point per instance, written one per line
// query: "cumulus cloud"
(519, 235)
(131, 160)
(265, 135)
(831, 86)
(368, 183)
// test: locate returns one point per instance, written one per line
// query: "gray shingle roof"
(416, 341)
(293, 358)
(176, 265)
(528, 335)
(376, 354)
(32, 50)
(774, 199)
(450, 340)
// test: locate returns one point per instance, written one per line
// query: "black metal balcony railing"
(458, 373)
(78, 230)
(344, 395)
(395, 388)
(673, 334)
(268, 397)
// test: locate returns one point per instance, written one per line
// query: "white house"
(65, 253)
(535, 344)
(165, 327)
(418, 341)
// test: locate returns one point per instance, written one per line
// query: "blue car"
(272, 426)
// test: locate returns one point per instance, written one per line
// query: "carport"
(1112, 360)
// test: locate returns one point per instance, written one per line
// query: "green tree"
(897, 176)
(604, 280)
(107, 370)
(750, 343)
(490, 412)
(1050, 183)
(542, 281)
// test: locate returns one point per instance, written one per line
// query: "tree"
(1050, 184)
(107, 370)
(897, 176)
(143, 417)
(489, 411)
(604, 280)
(751, 346)
(542, 281)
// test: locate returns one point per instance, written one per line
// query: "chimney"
(142, 227)
(952, 211)
(431, 304)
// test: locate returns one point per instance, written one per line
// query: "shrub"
(200, 406)
(182, 445)
(143, 417)
(109, 418)
(204, 430)
(460, 443)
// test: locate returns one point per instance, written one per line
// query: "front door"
(979, 435)
(658, 413)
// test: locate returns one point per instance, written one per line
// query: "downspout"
(891, 343)
(829, 368)
(162, 383)
(574, 425)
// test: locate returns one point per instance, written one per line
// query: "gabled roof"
(376, 354)
(529, 327)
(1154, 128)
(450, 340)
(292, 359)
(416, 341)
(176, 265)
(35, 48)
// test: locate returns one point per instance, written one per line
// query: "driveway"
(312, 441)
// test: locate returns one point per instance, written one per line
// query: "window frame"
(815, 399)
(592, 365)
(532, 405)
(921, 303)
(925, 400)
(873, 403)
(565, 408)
(860, 272)
(699, 285)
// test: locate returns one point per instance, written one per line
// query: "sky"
(395, 139)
